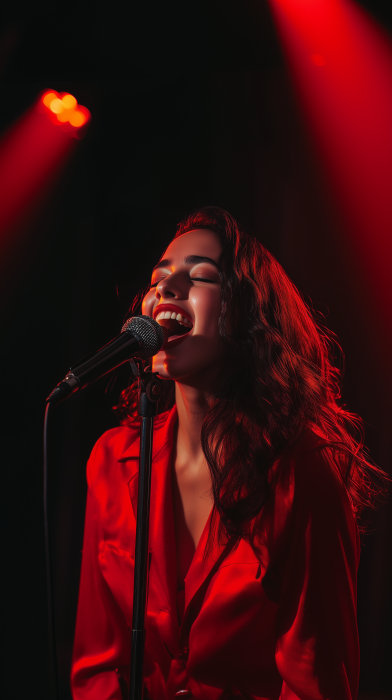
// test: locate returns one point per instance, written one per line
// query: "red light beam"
(341, 64)
(32, 152)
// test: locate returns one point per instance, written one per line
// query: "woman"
(257, 478)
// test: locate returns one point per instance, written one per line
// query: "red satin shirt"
(276, 620)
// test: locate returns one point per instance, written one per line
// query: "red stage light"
(64, 110)
(341, 64)
(32, 153)
(69, 101)
(318, 59)
(56, 106)
(78, 118)
(48, 97)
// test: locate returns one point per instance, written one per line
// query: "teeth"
(166, 315)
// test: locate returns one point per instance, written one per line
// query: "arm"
(317, 652)
(101, 654)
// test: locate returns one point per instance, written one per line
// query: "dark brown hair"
(279, 379)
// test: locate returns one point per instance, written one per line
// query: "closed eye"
(194, 279)
(203, 279)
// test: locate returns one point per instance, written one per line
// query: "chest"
(192, 505)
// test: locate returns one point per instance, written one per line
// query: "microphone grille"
(150, 333)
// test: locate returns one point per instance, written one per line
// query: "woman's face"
(187, 282)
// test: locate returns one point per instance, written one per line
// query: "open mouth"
(176, 325)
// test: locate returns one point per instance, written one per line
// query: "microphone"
(140, 336)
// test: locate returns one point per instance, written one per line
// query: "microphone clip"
(149, 388)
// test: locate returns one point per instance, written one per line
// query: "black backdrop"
(188, 108)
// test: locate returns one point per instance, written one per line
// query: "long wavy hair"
(278, 380)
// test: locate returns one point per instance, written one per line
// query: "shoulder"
(311, 463)
(308, 502)
(317, 466)
(113, 442)
(107, 453)
(117, 445)
(319, 500)
(307, 485)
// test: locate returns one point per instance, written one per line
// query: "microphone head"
(148, 331)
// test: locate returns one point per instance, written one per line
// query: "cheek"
(148, 303)
(207, 307)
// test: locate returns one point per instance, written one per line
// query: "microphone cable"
(49, 566)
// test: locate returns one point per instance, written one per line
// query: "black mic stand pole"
(149, 393)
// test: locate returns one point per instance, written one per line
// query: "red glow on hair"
(341, 64)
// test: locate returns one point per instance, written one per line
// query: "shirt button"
(183, 655)
(183, 693)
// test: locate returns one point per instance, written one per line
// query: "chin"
(158, 365)
(169, 367)
(181, 369)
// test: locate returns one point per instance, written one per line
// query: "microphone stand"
(149, 394)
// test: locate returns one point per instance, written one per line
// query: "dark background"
(191, 105)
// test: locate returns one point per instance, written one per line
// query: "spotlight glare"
(318, 59)
(64, 111)
(48, 97)
(63, 117)
(77, 118)
(69, 102)
(56, 106)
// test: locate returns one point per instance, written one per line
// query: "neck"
(191, 408)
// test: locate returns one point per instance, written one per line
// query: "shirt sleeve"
(101, 654)
(317, 651)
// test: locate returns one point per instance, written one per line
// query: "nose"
(172, 287)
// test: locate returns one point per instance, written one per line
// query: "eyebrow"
(189, 260)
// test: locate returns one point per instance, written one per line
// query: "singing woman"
(258, 482)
